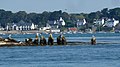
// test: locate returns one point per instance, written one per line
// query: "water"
(101, 37)
(100, 55)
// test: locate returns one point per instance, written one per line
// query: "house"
(57, 23)
(1, 28)
(73, 29)
(55, 30)
(21, 25)
(99, 22)
(9, 26)
(61, 21)
(80, 22)
(111, 23)
(48, 27)
(53, 24)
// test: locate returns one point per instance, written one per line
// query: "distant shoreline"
(41, 31)
(21, 32)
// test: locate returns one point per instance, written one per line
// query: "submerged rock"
(43, 41)
(61, 40)
(93, 40)
(50, 40)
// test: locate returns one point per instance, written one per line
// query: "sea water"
(100, 55)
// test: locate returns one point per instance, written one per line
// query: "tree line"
(42, 18)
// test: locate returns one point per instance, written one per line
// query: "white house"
(99, 22)
(84, 22)
(62, 21)
(1, 28)
(111, 23)
(81, 22)
(21, 25)
(57, 23)
(55, 30)
(48, 27)
(32, 26)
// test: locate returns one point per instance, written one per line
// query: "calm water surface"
(101, 55)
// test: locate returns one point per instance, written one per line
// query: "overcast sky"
(71, 6)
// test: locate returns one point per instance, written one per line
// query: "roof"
(51, 22)
(81, 22)
(57, 22)
(22, 23)
(72, 29)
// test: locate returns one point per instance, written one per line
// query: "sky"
(70, 6)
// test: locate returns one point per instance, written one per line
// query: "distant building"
(55, 30)
(73, 29)
(111, 23)
(48, 27)
(53, 24)
(88, 31)
(81, 22)
(52, 29)
(21, 25)
(99, 22)
(1, 28)
(61, 21)
(57, 23)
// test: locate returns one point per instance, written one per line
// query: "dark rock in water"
(93, 41)
(43, 41)
(36, 42)
(28, 41)
(64, 42)
(59, 40)
(1, 39)
(50, 40)
(10, 40)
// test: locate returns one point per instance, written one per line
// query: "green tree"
(21, 15)
(55, 15)
(105, 12)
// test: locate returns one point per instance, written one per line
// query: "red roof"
(72, 29)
